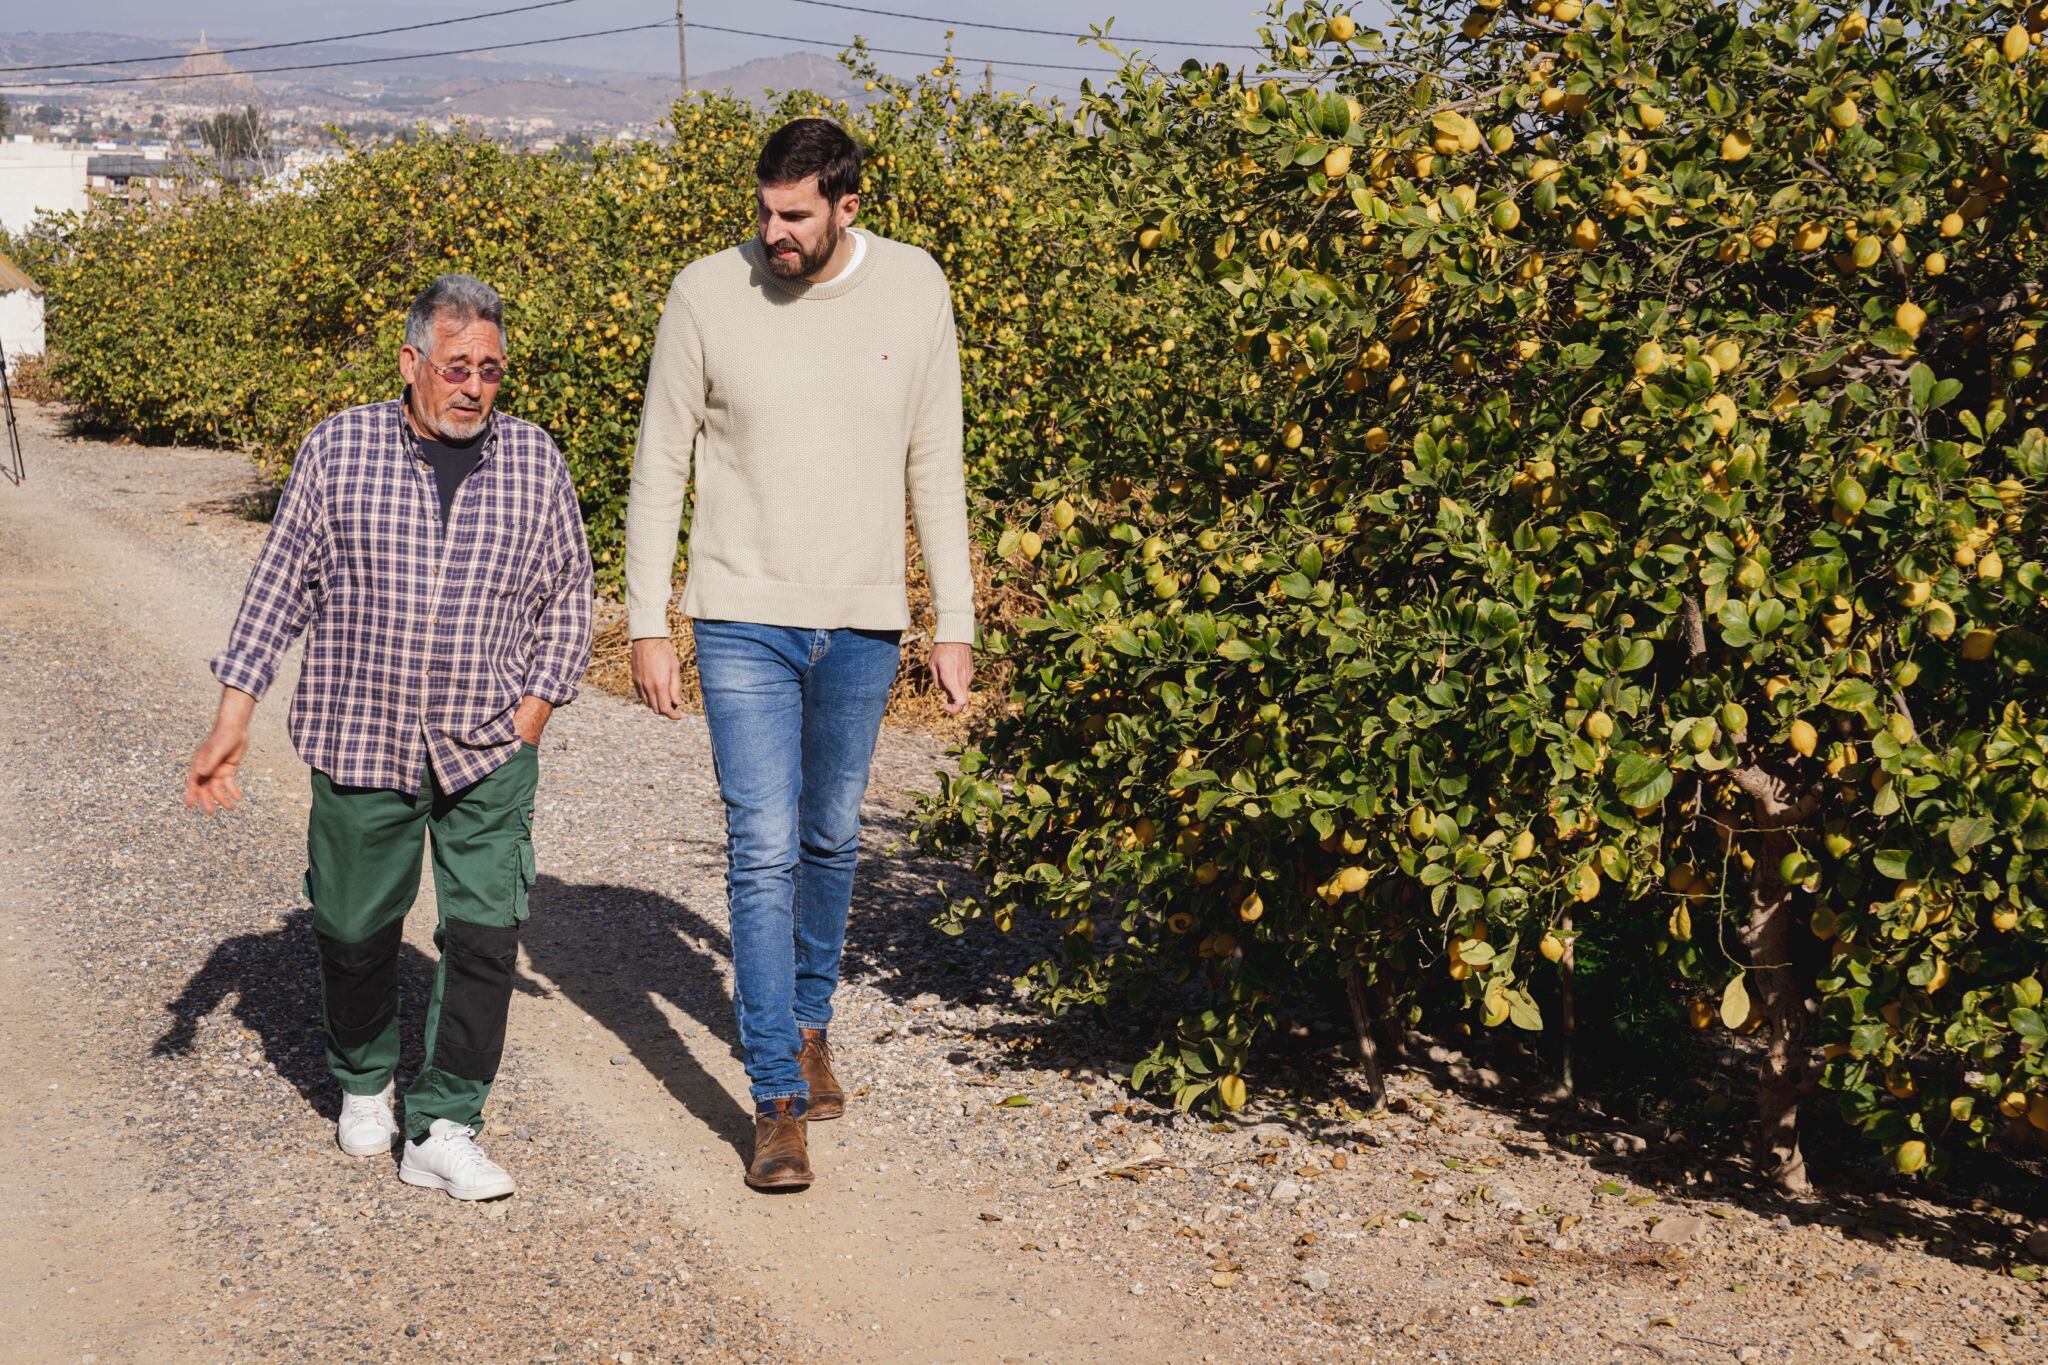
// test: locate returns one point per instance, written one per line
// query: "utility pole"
(682, 51)
(988, 79)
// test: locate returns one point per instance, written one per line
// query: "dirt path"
(993, 1193)
(874, 1263)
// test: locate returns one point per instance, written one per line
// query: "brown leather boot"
(814, 1059)
(782, 1160)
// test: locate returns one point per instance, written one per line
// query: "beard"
(457, 426)
(804, 262)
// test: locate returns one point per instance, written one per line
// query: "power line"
(1004, 62)
(1016, 28)
(322, 66)
(300, 42)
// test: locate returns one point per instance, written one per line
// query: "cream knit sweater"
(819, 407)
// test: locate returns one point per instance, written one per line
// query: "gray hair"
(461, 298)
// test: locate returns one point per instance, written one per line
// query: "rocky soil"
(169, 1187)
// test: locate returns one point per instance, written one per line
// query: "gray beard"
(458, 430)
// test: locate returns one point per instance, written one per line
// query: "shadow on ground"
(619, 953)
(273, 979)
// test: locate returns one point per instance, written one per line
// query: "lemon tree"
(1615, 504)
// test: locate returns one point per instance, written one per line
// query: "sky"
(230, 22)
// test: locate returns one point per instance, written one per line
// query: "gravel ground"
(993, 1192)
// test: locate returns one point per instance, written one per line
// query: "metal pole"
(682, 52)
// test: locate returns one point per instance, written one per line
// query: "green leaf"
(1523, 1012)
(2028, 1024)
(1642, 779)
(1735, 1001)
(1336, 116)
(1964, 835)
(1920, 382)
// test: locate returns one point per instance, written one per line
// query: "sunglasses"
(458, 375)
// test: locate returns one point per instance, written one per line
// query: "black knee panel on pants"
(477, 961)
(361, 984)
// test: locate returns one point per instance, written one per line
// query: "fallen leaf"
(1223, 1279)
(1610, 1187)
(1682, 1227)
(1017, 1102)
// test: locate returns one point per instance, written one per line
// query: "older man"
(816, 372)
(433, 552)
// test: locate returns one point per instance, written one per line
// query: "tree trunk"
(1386, 1013)
(1361, 1029)
(1785, 1079)
(1568, 1000)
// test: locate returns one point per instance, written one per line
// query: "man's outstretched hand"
(658, 675)
(953, 673)
(212, 784)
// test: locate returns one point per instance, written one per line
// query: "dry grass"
(34, 379)
(914, 702)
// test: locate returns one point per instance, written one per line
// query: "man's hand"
(658, 675)
(531, 718)
(952, 668)
(211, 782)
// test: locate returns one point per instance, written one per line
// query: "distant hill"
(796, 71)
(37, 49)
(479, 86)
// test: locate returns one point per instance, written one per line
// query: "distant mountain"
(795, 71)
(38, 49)
(477, 86)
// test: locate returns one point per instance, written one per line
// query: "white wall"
(39, 176)
(21, 325)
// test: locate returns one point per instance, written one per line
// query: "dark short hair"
(806, 147)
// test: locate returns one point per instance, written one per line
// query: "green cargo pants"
(363, 848)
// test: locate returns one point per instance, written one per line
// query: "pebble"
(1217, 1216)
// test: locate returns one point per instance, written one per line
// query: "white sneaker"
(366, 1126)
(449, 1161)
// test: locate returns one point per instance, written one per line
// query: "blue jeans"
(794, 715)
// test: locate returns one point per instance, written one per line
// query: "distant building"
(21, 313)
(131, 175)
(40, 177)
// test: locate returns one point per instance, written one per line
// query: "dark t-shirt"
(451, 465)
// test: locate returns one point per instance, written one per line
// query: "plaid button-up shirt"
(421, 640)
